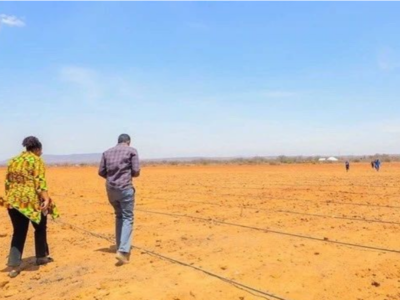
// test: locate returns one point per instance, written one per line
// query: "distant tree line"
(257, 160)
(282, 159)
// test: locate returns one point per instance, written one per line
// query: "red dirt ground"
(284, 206)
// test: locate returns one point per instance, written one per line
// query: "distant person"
(373, 164)
(347, 165)
(28, 200)
(377, 165)
(118, 166)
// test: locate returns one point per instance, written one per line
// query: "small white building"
(332, 159)
(322, 159)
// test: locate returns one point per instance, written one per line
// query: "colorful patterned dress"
(25, 180)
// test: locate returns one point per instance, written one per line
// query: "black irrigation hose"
(277, 211)
(249, 289)
(325, 240)
(301, 186)
(308, 183)
(292, 199)
(282, 211)
(357, 204)
(224, 194)
(264, 188)
(341, 218)
(336, 202)
(283, 186)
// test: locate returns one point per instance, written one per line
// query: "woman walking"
(27, 200)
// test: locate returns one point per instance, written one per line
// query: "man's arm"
(135, 164)
(103, 168)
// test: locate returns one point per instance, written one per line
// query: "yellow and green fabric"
(25, 180)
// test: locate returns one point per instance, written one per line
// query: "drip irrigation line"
(299, 187)
(293, 199)
(244, 287)
(350, 185)
(271, 210)
(359, 204)
(281, 211)
(335, 202)
(238, 195)
(325, 240)
(337, 217)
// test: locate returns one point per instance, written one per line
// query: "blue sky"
(201, 78)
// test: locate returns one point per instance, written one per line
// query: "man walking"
(118, 166)
(377, 164)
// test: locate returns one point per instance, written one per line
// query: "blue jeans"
(123, 202)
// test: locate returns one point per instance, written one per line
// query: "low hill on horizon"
(89, 158)
(94, 159)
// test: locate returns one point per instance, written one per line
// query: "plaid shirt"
(118, 165)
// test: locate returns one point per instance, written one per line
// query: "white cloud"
(11, 21)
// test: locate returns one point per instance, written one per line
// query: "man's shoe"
(122, 257)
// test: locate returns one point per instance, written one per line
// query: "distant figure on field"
(347, 165)
(28, 201)
(377, 164)
(118, 166)
(373, 164)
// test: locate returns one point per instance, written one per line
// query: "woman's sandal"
(13, 273)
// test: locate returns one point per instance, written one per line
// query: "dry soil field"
(296, 232)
